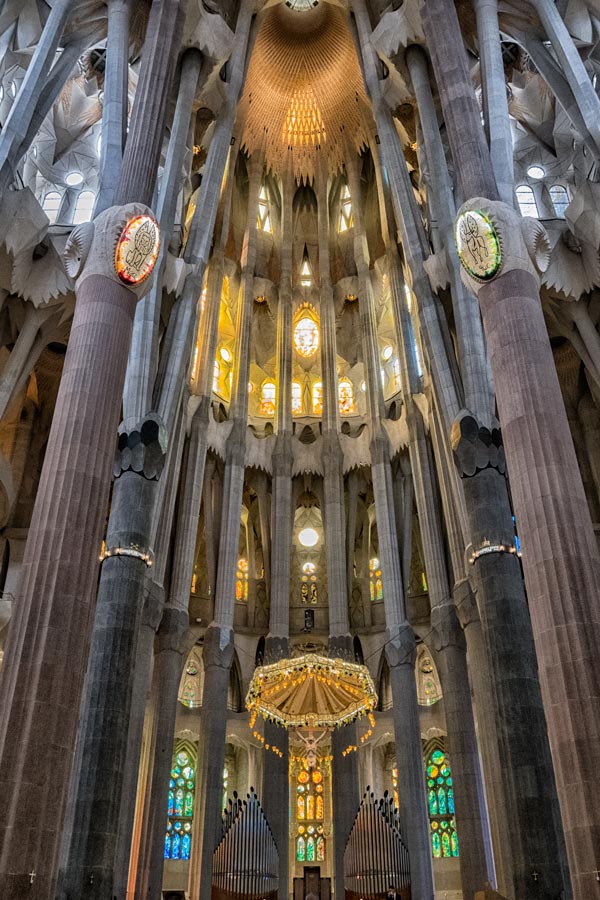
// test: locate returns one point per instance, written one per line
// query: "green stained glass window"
(440, 802)
(180, 809)
(310, 850)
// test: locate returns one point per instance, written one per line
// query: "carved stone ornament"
(94, 250)
(522, 242)
(479, 247)
(77, 249)
(137, 250)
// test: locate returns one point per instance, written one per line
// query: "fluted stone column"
(218, 640)
(560, 553)
(400, 640)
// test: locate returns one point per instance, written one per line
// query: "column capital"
(107, 248)
(446, 628)
(218, 647)
(154, 601)
(401, 646)
(465, 602)
(493, 238)
(475, 447)
(174, 632)
(142, 449)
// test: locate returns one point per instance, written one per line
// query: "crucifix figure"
(535, 875)
(311, 742)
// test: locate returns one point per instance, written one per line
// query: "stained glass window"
(440, 796)
(264, 213)
(296, 398)
(317, 398)
(376, 583)
(180, 807)
(396, 374)
(267, 398)
(346, 397)
(345, 221)
(306, 336)
(527, 202)
(310, 814)
(560, 199)
(216, 377)
(241, 583)
(429, 688)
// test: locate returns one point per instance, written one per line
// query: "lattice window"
(84, 207)
(306, 336)
(51, 205)
(297, 405)
(317, 398)
(527, 202)
(560, 199)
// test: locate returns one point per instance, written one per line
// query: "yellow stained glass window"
(306, 337)
(216, 376)
(241, 584)
(346, 397)
(267, 398)
(317, 398)
(296, 398)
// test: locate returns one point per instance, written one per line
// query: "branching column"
(218, 641)
(42, 675)
(560, 552)
(345, 767)
(400, 640)
(275, 791)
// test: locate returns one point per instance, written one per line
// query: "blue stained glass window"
(442, 806)
(176, 849)
(310, 849)
(445, 844)
(436, 845)
(180, 809)
(433, 804)
(450, 800)
(301, 854)
(454, 842)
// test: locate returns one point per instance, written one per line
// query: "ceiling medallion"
(478, 244)
(137, 249)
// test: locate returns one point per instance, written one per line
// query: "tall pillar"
(400, 639)
(560, 553)
(494, 95)
(345, 767)
(448, 636)
(275, 791)
(115, 103)
(218, 641)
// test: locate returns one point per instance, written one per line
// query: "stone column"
(345, 768)
(275, 792)
(116, 98)
(219, 635)
(495, 100)
(400, 640)
(560, 553)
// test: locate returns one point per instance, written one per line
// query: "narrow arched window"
(51, 205)
(317, 398)
(267, 398)
(527, 202)
(296, 398)
(84, 207)
(346, 397)
(345, 221)
(180, 808)
(264, 213)
(560, 199)
(440, 801)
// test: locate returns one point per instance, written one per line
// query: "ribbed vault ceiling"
(304, 89)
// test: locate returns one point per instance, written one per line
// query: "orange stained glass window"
(317, 398)
(267, 398)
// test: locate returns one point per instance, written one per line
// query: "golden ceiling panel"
(304, 89)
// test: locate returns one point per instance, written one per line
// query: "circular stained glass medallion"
(137, 250)
(478, 245)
